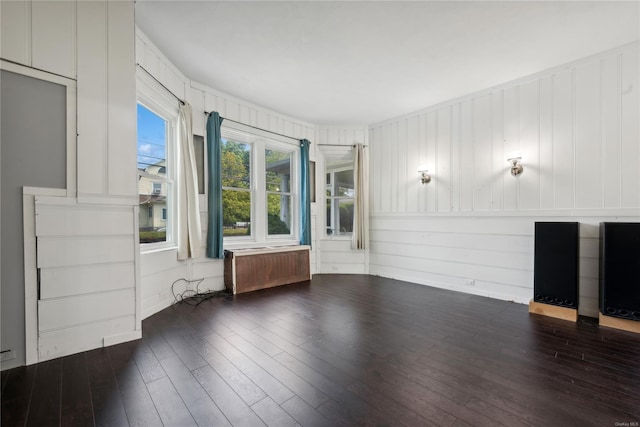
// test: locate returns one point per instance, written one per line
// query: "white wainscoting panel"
(64, 282)
(79, 338)
(336, 256)
(489, 256)
(86, 256)
(60, 313)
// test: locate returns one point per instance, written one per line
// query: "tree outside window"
(236, 188)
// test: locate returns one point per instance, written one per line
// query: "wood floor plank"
(293, 382)
(341, 350)
(272, 414)
(170, 406)
(44, 408)
(3, 379)
(234, 377)
(233, 407)
(106, 399)
(304, 414)
(149, 366)
(203, 410)
(16, 395)
(263, 379)
(76, 405)
(138, 406)
(181, 347)
(392, 409)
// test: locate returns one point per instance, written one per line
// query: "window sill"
(254, 245)
(348, 238)
(150, 248)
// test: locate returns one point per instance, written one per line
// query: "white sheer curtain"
(360, 236)
(189, 227)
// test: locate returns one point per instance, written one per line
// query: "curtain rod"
(338, 145)
(158, 81)
(255, 127)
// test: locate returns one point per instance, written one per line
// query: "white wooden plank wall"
(106, 90)
(85, 254)
(40, 34)
(576, 128)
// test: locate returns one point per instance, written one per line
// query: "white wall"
(334, 252)
(91, 43)
(158, 270)
(471, 228)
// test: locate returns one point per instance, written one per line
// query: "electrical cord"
(195, 297)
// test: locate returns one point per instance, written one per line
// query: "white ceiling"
(343, 62)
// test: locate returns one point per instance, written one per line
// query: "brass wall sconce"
(424, 176)
(516, 167)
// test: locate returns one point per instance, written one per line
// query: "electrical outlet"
(7, 355)
(469, 282)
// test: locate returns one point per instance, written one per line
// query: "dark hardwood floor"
(341, 350)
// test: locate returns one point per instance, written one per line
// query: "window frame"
(260, 141)
(155, 98)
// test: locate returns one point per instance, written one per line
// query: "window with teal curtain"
(305, 194)
(214, 230)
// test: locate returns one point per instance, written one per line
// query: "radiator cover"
(247, 270)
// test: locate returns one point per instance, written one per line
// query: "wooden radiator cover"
(248, 270)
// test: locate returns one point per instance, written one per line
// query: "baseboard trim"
(120, 338)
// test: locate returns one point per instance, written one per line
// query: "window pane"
(236, 213)
(152, 168)
(279, 214)
(329, 217)
(152, 142)
(345, 216)
(340, 192)
(344, 183)
(236, 164)
(278, 171)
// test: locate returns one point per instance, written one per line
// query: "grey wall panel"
(32, 154)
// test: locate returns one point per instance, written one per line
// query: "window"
(259, 187)
(155, 144)
(339, 198)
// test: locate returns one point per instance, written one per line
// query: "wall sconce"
(424, 176)
(516, 167)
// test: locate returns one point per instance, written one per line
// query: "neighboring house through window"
(156, 189)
